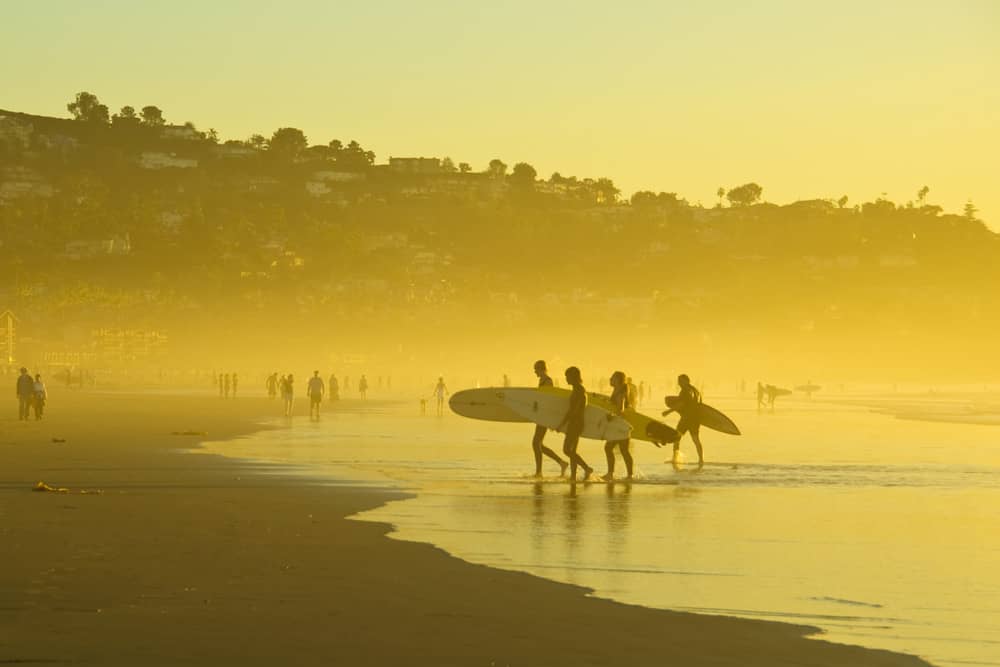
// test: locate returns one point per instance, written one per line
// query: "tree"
(607, 193)
(970, 211)
(448, 166)
(212, 135)
(745, 195)
(337, 145)
(125, 117)
(88, 108)
(922, 195)
(523, 175)
(257, 141)
(643, 198)
(720, 193)
(842, 202)
(287, 143)
(464, 167)
(497, 168)
(152, 116)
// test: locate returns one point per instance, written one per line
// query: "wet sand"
(199, 559)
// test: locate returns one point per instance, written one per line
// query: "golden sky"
(807, 98)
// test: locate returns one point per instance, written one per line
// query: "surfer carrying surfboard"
(620, 401)
(686, 404)
(572, 423)
(541, 370)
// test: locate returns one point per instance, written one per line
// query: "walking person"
(573, 423)
(334, 387)
(38, 402)
(236, 383)
(687, 405)
(537, 442)
(25, 394)
(363, 387)
(619, 404)
(272, 385)
(315, 390)
(228, 385)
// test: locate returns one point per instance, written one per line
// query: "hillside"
(243, 248)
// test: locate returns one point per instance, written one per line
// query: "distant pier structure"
(8, 329)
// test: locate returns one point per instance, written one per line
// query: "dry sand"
(195, 559)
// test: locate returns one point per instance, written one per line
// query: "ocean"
(847, 515)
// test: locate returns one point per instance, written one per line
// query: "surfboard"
(808, 388)
(643, 427)
(486, 404)
(709, 417)
(548, 409)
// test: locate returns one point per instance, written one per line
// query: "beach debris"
(188, 433)
(42, 486)
(58, 440)
(45, 488)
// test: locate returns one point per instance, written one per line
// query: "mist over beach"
(500, 335)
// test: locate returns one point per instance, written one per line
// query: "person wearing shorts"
(687, 406)
(572, 423)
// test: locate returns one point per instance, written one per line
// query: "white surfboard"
(548, 410)
(485, 403)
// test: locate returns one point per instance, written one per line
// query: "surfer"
(620, 402)
(572, 423)
(440, 391)
(760, 395)
(541, 370)
(686, 404)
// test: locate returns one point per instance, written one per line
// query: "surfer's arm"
(667, 412)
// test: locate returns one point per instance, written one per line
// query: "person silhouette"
(687, 404)
(619, 404)
(572, 423)
(537, 441)
(440, 391)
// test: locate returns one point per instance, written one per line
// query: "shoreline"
(202, 559)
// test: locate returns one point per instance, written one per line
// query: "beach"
(206, 559)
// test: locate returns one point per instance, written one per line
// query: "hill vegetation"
(124, 221)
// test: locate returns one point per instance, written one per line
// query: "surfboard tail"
(660, 432)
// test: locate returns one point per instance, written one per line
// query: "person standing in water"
(440, 391)
(227, 385)
(633, 391)
(760, 395)
(334, 387)
(687, 404)
(315, 390)
(537, 441)
(619, 404)
(272, 385)
(363, 387)
(572, 423)
(289, 394)
(236, 383)
(222, 387)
